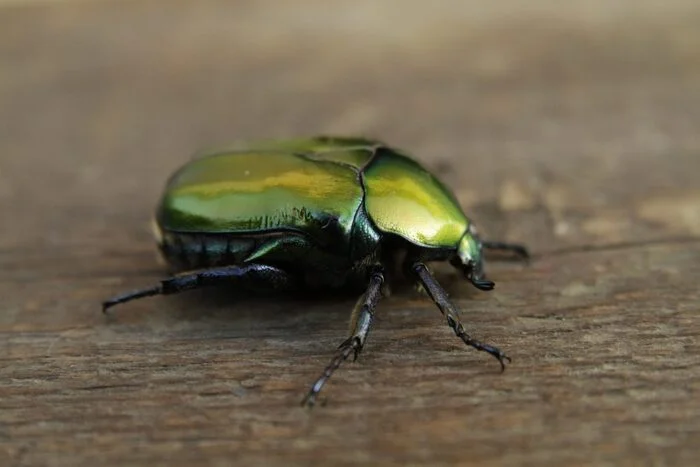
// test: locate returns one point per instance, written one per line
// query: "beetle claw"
(309, 401)
(501, 359)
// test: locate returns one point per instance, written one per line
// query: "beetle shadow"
(222, 303)
(233, 311)
(230, 312)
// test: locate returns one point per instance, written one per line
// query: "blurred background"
(519, 105)
(570, 126)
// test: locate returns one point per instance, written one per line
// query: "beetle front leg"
(440, 297)
(518, 250)
(362, 319)
(248, 275)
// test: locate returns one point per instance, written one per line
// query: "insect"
(322, 213)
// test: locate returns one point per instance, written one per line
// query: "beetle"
(325, 212)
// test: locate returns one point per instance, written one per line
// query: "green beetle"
(318, 213)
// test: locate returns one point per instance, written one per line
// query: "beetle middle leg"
(362, 319)
(440, 297)
(246, 275)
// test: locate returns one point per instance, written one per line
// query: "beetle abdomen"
(291, 251)
(186, 251)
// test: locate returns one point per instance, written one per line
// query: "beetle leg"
(252, 274)
(518, 250)
(440, 297)
(362, 322)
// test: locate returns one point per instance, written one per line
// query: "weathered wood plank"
(571, 128)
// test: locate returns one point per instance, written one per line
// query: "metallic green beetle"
(318, 213)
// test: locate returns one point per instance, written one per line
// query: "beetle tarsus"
(127, 297)
(518, 250)
(351, 345)
(362, 324)
(439, 296)
(490, 349)
(460, 332)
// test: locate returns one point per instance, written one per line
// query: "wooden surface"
(572, 128)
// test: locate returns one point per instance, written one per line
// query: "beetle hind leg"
(439, 296)
(361, 321)
(248, 275)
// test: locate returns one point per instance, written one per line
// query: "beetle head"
(469, 259)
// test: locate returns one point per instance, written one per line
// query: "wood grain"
(572, 128)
